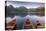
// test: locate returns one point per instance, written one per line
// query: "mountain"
(21, 11)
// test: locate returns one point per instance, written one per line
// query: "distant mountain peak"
(10, 6)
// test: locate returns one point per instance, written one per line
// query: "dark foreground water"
(21, 19)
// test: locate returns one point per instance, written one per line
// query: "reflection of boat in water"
(39, 24)
(11, 25)
(28, 24)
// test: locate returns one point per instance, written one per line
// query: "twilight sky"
(25, 4)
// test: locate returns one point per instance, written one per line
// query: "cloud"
(28, 0)
(26, 4)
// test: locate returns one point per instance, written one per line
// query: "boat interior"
(27, 25)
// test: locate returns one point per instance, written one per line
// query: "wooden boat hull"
(10, 25)
(28, 25)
